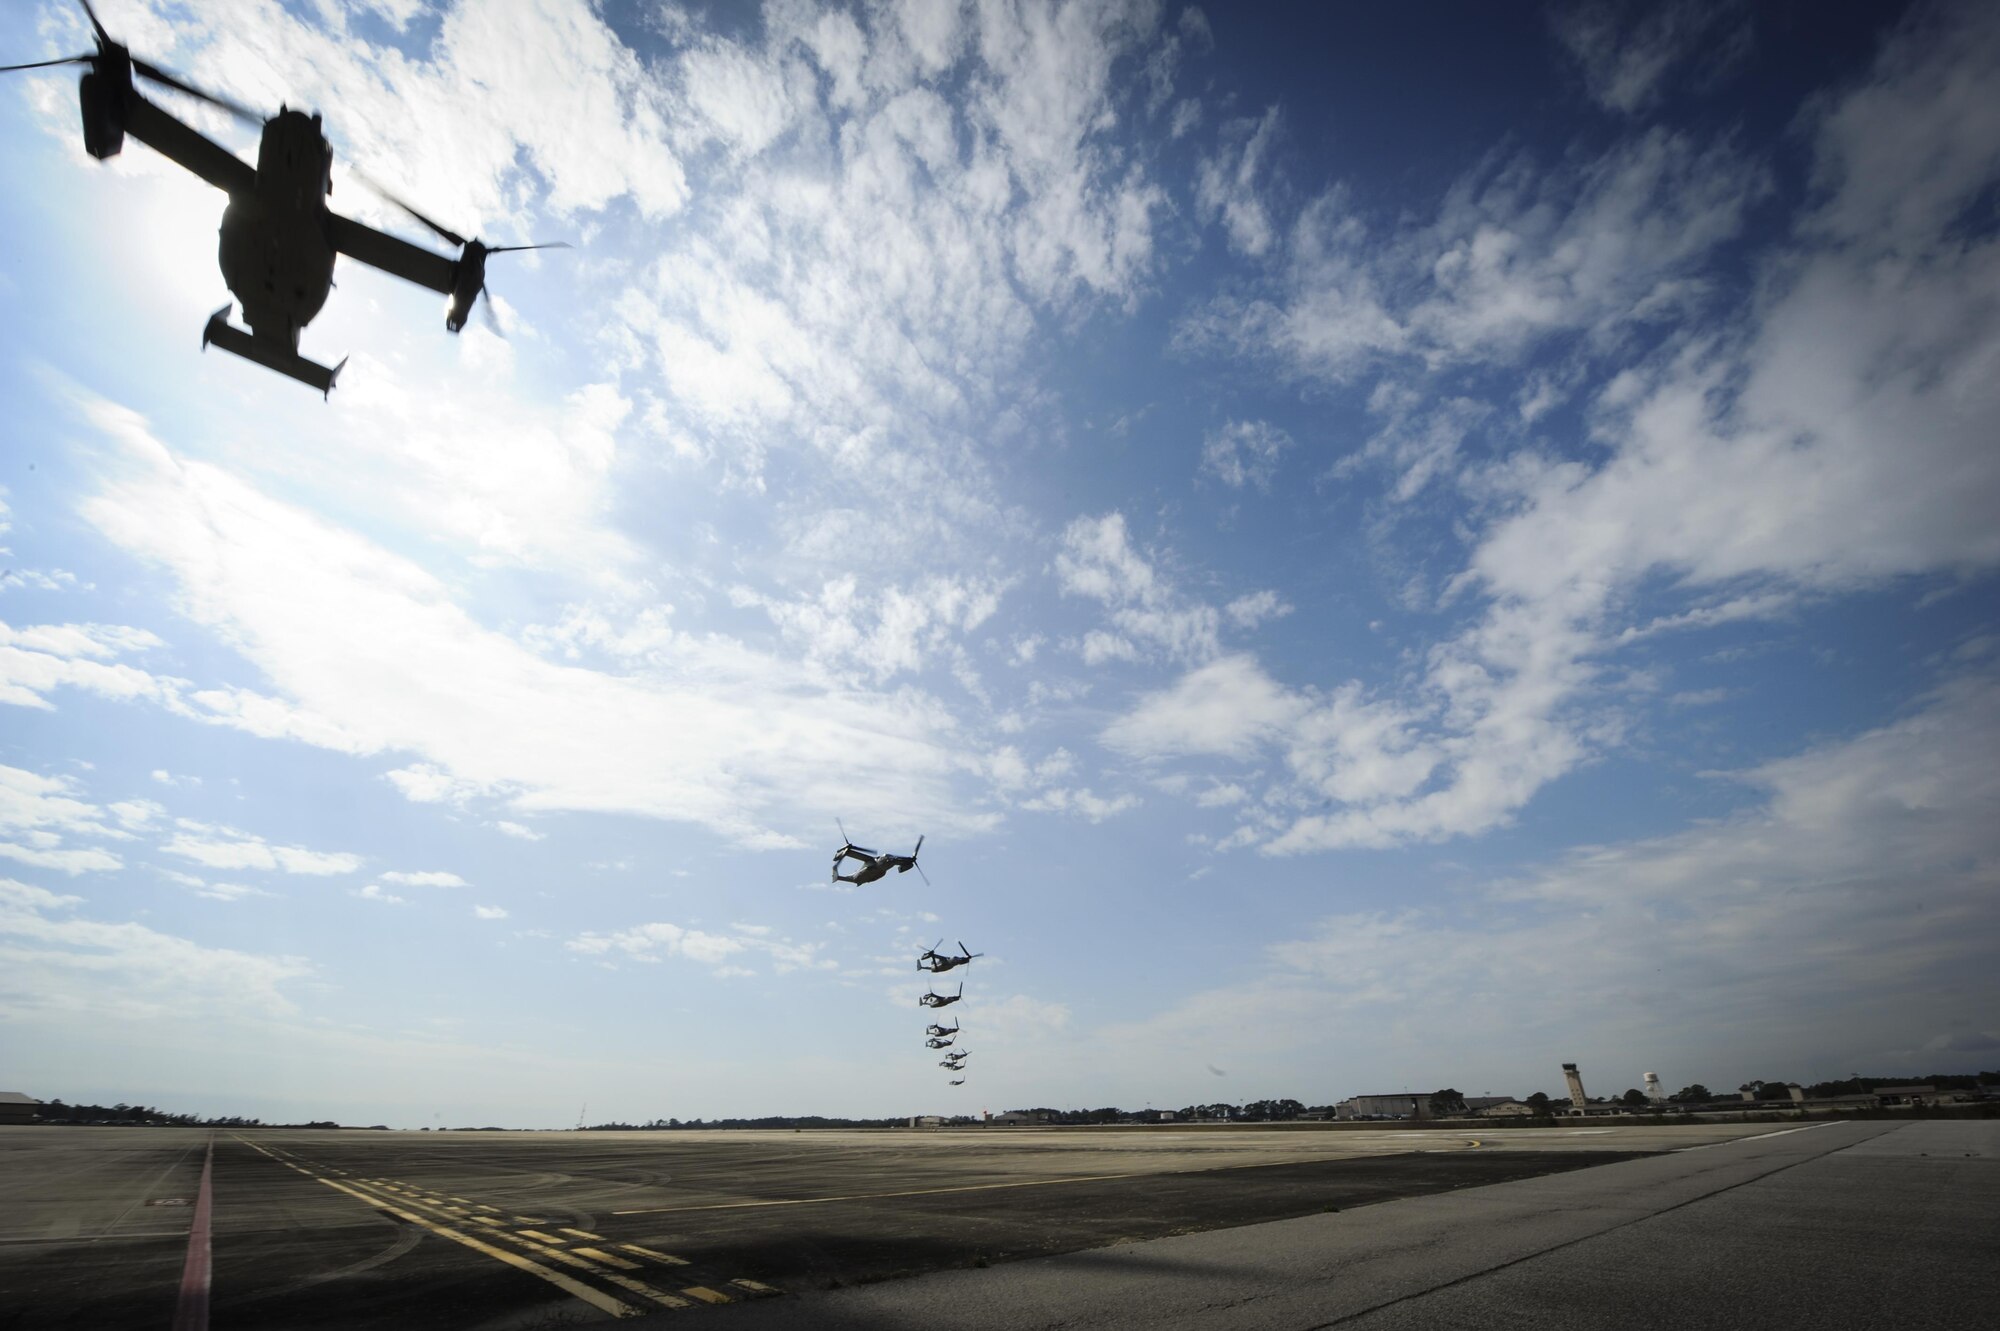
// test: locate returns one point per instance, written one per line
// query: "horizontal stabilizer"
(268, 354)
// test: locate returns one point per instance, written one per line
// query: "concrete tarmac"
(498, 1231)
(1833, 1226)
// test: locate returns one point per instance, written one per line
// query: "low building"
(18, 1108)
(1019, 1117)
(1403, 1105)
(1501, 1109)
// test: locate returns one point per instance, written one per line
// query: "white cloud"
(353, 633)
(1081, 801)
(1812, 926)
(518, 831)
(1228, 708)
(1831, 439)
(229, 891)
(375, 892)
(227, 848)
(42, 810)
(1247, 612)
(1097, 561)
(1226, 185)
(1627, 52)
(426, 878)
(1515, 255)
(56, 961)
(1244, 453)
(655, 941)
(489, 912)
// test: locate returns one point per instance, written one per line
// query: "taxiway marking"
(599, 1264)
(596, 1298)
(191, 1312)
(666, 1258)
(707, 1295)
(871, 1196)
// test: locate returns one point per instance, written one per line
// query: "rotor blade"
(486, 308)
(44, 64)
(375, 186)
(158, 75)
(546, 245)
(918, 851)
(846, 839)
(102, 35)
(920, 873)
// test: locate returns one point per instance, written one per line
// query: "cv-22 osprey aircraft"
(874, 864)
(939, 1042)
(935, 999)
(937, 963)
(956, 1062)
(279, 239)
(959, 1082)
(936, 1029)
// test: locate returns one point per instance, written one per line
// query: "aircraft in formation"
(937, 963)
(959, 1082)
(279, 239)
(874, 864)
(935, 999)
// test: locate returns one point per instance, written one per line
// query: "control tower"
(1575, 1086)
(1653, 1091)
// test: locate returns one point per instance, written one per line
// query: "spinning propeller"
(471, 283)
(112, 58)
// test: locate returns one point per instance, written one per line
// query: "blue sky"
(1380, 551)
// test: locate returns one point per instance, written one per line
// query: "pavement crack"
(1559, 1247)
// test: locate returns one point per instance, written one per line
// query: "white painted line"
(1782, 1132)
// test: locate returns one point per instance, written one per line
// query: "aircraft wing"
(188, 147)
(379, 249)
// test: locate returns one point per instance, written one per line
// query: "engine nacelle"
(103, 105)
(468, 280)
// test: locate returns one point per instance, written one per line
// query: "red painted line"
(191, 1313)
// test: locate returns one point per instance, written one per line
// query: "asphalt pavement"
(1831, 1226)
(995, 1227)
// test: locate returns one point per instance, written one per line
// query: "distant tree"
(1446, 1102)
(1539, 1102)
(1696, 1094)
(1773, 1090)
(1634, 1098)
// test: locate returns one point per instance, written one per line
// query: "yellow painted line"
(871, 1196)
(640, 1288)
(596, 1298)
(665, 1257)
(580, 1233)
(707, 1295)
(485, 1220)
(460, 1200)
(608, 1258)
(538, 1236)
(754, 1287)
(529, 1220)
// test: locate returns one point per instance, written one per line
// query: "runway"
(485, 1231)
(1835, 1226)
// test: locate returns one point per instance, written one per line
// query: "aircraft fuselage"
(274, 252)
